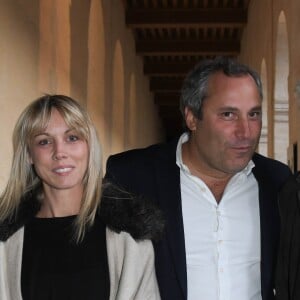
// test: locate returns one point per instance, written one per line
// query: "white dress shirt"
(222, 241)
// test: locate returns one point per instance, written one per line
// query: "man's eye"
(228, 115)
(255, 115)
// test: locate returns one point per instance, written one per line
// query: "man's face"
(224, 140)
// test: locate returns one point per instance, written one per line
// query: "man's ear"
(190, 119)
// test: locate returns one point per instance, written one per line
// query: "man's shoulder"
(263, 161)
(146, 154)
(137, 152)
(272, 169)
(135, 169)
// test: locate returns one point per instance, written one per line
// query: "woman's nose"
(59, 151)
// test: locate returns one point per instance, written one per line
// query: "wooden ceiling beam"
(165, 84)
(167, 69)
(187, 47)
(173, 18)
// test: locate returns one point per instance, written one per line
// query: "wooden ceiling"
(173, 35)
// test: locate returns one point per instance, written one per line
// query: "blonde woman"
(59, 238)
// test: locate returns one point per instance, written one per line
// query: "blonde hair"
(23, 178)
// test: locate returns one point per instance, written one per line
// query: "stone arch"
(54, 47)
(281, 97)
(263, 143)
(132, 113)
(118, 101)
(79, 20)
(97, 104)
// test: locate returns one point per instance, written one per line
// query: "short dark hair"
(194, 88)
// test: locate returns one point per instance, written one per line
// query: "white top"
(131, 267)
(222, 241)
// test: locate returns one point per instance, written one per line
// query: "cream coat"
(131, 267)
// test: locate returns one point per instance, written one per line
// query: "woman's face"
(59, 156)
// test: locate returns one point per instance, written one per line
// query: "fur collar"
(119, 210)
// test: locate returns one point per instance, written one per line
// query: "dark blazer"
(288, 267)
(153, 172)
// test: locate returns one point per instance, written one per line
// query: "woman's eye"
(73, 138)
(44, 142)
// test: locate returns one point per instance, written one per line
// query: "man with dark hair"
(219, 197)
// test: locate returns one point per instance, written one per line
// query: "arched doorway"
(118, 105)
(281, 98)
(263, 143)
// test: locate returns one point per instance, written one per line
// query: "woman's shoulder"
(124, 240)
(28, 208)
(134, 214)
(122, 244)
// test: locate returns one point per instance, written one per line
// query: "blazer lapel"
(168, 183)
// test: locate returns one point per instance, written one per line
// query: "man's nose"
(243, 128)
